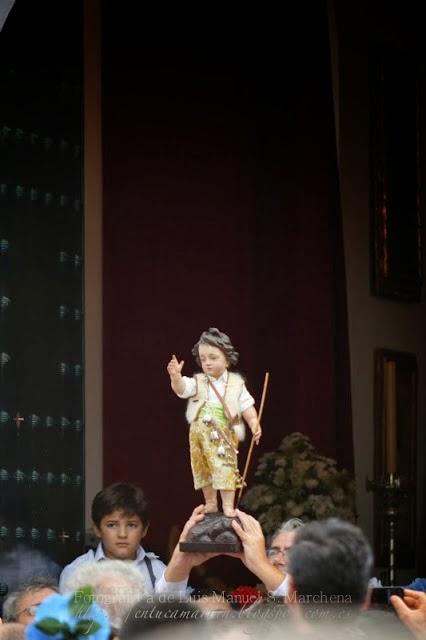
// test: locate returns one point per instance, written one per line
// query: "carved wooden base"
(213, 534)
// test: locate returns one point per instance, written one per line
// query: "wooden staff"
(259, 417)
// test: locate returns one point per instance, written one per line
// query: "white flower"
(297, 511)
(271, 518)
(347, 514)
(214, 435)
(301, 467)
(262, 499)
(281, 462)
(207, 418)
(322, 471)
(338, 495)
(323, 507)
(279, 477)
(221, 450)
(295, 481)
(263, 463)
(311, 483)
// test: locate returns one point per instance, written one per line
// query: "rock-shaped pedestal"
(213, 534)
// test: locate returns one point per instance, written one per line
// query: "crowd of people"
(314, 579)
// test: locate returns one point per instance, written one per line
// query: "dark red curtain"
(221, 209)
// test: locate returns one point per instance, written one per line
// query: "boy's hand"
(174, 367)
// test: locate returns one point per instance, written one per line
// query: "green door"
(41, 286)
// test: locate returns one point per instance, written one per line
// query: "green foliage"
(51, 626)
(296, 482)
(81, 601)
(86, 627)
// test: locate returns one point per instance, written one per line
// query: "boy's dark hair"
(216, 338)
(120, 496)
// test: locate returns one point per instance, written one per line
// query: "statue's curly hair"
(218, 339)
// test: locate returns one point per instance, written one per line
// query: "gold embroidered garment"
(213, 450)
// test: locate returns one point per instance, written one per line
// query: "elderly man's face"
(28, 603)
(277, 552)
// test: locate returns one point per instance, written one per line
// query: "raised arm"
(181, 563)
(254, 554)
(174, 369)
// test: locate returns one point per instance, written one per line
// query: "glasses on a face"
(273, 552)
(31, 610)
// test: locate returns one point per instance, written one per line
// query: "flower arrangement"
(297, 482)
(69, 617)
(244, 596)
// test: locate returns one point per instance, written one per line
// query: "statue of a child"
(218, 401)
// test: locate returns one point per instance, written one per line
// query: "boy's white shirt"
(158, 565)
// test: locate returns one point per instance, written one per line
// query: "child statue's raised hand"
(174, 367)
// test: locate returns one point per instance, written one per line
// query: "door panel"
(41, 285)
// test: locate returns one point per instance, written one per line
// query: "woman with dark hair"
(218, 402)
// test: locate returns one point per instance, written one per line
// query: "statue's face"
(213, 360)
